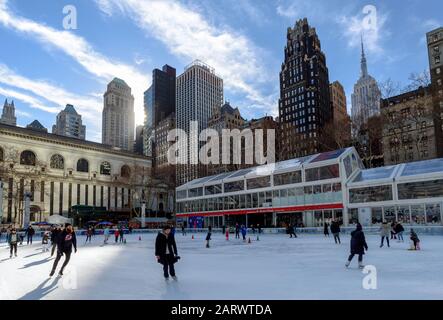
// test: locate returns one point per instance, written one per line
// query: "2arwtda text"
(249, 309)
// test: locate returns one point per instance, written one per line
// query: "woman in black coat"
(335, 230)
(358, 245)
(166, 252)
(66, 240)
(208, 236)
(326, 229)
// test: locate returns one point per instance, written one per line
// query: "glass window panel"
(234, 186)
(422, 167)
(255, 200)
(420, 190)
(195, 192)
(287, 178)
(257, 183)
(318, 218)
(374, 174)
(418, 214)
(370, 194)
(389, 213)
(353, 216)
(403, 214)
(377, 215)
(215, 189)
(433, 215)
(323, 173)
(181, 194)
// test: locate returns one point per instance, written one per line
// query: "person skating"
(358, 246)
(106, 235)
(393, 233)
(208, 236)
(223, 229)
(121, 233)
(12, 239)
(30, 234)
(116, 234)
(243, 232)
(385, 229)
(55, 233)
(166, 252)
(183, 230)
(326, 229)
(88, 235)
(66, 241)
(253, 228)
(399, 231)
(45, 241)
(237, 231)
(415, 240)
(335, 230)
(259, 228)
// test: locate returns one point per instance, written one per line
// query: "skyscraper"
(118, 116)
(366, 96)
(8, 115)
(159, 103)
(69, 124)
(199, 93)
(304, 105)
(435, 51)
(342, 121)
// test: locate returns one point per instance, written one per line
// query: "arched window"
(82, 165)
(105, 168)
(57, 162)
(125, 172)
(27, 158)
(1, 155)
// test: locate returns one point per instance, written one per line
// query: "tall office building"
(118, 116)
(435, 51)
(69, 124)
(342, 121)
(366, 97)
(159, 103)
(199, 93)
(138, 143)
(8, 114)
(304, 105)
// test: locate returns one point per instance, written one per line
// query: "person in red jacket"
(116, 233)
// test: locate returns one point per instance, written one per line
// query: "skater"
(12, 238)
(399, 231)
(55, 233)
(237, 231)
(45, 241)
(253, 229)
(166, 252)
(259, 228)
(358, 246)
(183, 230)
(291, 231)
(121, 232)
(326, 229)
(208, 236)
(223, 229)
(243, 232)
(88, 235)
(29, 233)
(116, 234)
(66, 241)
(106, 235)
(385, 229)
(415, 240)
(335, 230)
(393, 233)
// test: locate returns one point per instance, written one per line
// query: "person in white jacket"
(385, 230)
(106, 234)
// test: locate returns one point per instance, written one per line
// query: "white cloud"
(82, 52)
(188, 35)
(31, 101)
(369, 25)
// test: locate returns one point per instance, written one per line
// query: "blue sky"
(43, 66)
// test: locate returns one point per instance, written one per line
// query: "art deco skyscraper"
(69, 124)
(118, 116)
(199, 93)
(304, 105)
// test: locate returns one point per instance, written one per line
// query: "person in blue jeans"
(243, 232)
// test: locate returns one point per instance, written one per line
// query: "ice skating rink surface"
(275, 267)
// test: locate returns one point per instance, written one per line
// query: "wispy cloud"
(81, 51)
(188, 35)
(28, 99)
(369, 23)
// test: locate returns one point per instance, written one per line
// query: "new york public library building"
(76, 179)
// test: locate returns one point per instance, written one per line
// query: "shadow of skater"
(35, 254)
(41, 291)
(36, 263)
(174, 292)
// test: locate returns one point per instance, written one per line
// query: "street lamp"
(27, 212)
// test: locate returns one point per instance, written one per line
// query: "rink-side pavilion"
(315, 189)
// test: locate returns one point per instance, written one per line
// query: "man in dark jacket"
(29, 233)
(166, 252)
(291, 230)
(335, 230)
(399, 231)
(237, 231)
(358, 246)
(66, 241)
(55, 233)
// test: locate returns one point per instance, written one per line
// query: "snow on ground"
(276, 267)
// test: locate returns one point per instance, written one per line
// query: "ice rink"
(276, 267)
